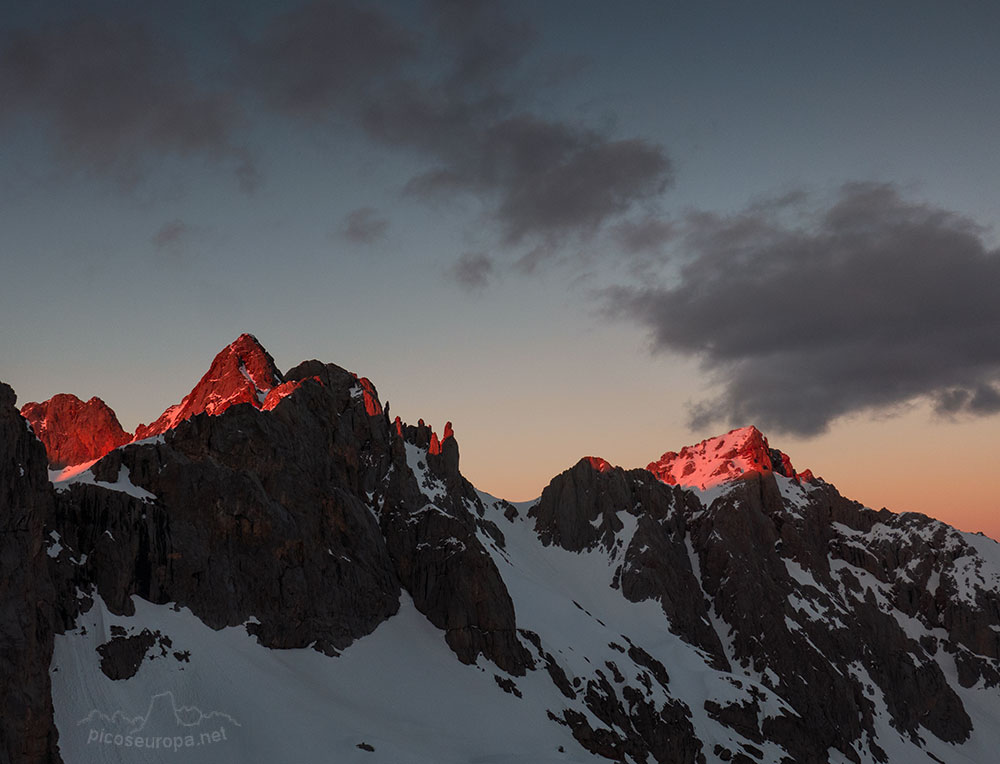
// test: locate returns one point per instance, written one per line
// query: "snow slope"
(399, 690)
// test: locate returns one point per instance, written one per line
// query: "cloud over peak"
(451, 94)
(801, 315)
(447, 85)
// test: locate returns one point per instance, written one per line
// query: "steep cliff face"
(250, 514)
(251, 511)
(242, 372)
(73, 431)
(27, 597)
(254, 513)
(791, 587)
(438, 538)
(739, 452)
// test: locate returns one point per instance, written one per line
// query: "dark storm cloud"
(870, 303)
(646, 235)
(116, 95)
(483, 42)
(364, 226)
(456, 97)
(546, 179)
(472, 270)
(591, 180)
(453, 83)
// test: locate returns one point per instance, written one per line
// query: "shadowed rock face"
(296, 515)
(73, 431)
(781, 580)
(27, 730)
(440, 558)
(257, 513)
(302, 515)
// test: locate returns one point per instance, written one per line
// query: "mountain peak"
(242, 372)
(597, 463)
(74, 431)
(247, 350)
(723, 458)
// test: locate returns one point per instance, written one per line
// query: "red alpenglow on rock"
(723, 458)
(283, 391)
(73, 431)
(372, 405)
(436, 444)
(599, 464)
(242, 373)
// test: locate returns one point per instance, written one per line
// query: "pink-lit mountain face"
(243, 372)
(724, 458)
(73, 431)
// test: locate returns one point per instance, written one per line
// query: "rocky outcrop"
(717, 460)
(767, 585)
(73, 431)
(587, 507)
(257, 517)
(579, 508)
(752, 550)
(27, 729)
(122, 655)
(243, 372)
(633, 727)
(771, 571)
(440, 559)
(298, 514)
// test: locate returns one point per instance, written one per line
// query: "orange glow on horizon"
(910, 462)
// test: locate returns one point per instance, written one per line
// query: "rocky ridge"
(792, 587)
(739, 452)
(73, 431)
(640, 620)
(27, 596)
(243, 372)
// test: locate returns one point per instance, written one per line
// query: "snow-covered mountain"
(279, 571)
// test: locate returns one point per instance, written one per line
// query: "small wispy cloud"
(364, 226)
(472, 270)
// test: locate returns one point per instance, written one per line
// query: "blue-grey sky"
(568, 227)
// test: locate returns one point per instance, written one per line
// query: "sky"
(570, 228)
